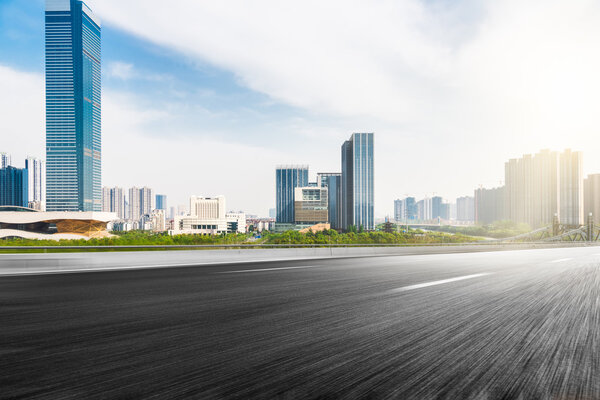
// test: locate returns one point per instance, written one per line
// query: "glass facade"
(13, 187)
(161, 202)
(73, 137)
(357, 182)
(333, 182)
(287, 179)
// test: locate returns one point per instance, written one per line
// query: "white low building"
(236, 222)
(207, 217)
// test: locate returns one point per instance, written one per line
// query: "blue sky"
(207, 97)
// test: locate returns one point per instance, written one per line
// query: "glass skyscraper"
(73, 154)
(333, 182)
(357, 182)
(287, 179)
(13, 187)
(161, 202)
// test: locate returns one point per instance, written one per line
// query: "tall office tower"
(36, 181)
(489, 205)
(424, 209)
(288, 177)
(73, 153)
(465, 209)
(5, 160)
(357, 182)
(141, 202)
(333, 182)
(13, 187)
(591, 193)
(531, 193)
(161, 202)
(113, 200)
(571, 188)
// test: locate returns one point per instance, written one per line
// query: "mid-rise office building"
(13, 187)
(207, 217)
(36, 181)
(161, 202)
(591, 194)
(73, 142)
(288, 178)
(5, 160)
(571, 188)
(113, 200)
(465, 209)
(333, 183)
(357, 182)
(310, 205)
(489, 205)
(141, 202)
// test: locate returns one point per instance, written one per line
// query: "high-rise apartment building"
(287, 178)
(113, 200)
(13, 187)
(405, 209)
(161, 202)
(541, 186)
(36, 182)
(571, 188)
(333, 183)
(465, 209)
(141, 202)
(436, 207)
(73, 148)
(5, 160)
(591, 193)
(357, 182)
(489, 205)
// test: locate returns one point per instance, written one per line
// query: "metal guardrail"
(271, 246)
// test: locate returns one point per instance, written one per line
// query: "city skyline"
(220, 107)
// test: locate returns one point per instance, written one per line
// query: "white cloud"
(22, 124)
(119, 69)
(458, 84)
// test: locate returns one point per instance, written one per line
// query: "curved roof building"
(55, 225)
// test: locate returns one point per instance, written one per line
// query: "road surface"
(493, 325)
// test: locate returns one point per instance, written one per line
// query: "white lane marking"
(441, 282)
(68, 270)
(264, 269)
(561, 260)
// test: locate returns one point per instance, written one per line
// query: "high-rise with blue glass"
(287, 179)
(333, 182)
(357, 182)
(73, 154)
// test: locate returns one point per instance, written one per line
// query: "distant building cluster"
(337, 200)
(142, 209)
(539, 190)
(23, 187)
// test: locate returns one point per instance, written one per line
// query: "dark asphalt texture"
(528, 327)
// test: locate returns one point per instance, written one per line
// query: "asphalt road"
(514, 324)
